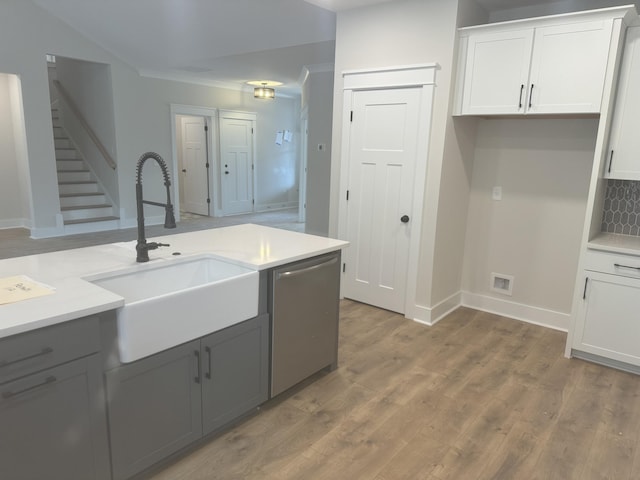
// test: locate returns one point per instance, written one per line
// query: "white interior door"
(195, 171)
(236, 165)
(382, 161)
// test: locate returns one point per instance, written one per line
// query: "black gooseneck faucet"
(142, 247)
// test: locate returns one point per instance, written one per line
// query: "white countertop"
(253, 246)
(610, 242)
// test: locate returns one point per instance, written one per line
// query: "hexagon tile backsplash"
(622, 208)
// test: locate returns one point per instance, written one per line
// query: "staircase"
(84, 207)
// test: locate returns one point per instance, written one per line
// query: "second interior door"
(236, 163)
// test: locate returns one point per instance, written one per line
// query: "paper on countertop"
(21, 287)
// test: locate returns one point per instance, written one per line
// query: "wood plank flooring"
(476, 396)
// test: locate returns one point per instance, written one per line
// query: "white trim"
(270, 207)
(432, 315)
(211, 115)
(394, 77)
(519, 311)
(7, 223)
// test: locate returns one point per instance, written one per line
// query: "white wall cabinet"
(608, 324)
(555, 65)
(623, 160)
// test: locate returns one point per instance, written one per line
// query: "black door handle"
(226, 173)
(404, 218)
(184, 170)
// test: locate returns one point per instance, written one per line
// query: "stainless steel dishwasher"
(304, 306)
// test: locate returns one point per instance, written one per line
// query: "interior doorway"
(193, 164)
(194, 158)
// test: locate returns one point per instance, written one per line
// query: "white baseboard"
(526, 313)
(268, 207)
(7, 223)
(432, 315)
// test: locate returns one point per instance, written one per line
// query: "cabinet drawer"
(43, 348)
(613, 263)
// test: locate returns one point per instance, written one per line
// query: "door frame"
(211, 117)
(240, 115)
(420, 76)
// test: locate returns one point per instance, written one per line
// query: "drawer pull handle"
(584, 292)
(530, 95)
(208, 374)
(619, 265)
(47, 381)
(197, 355)
(44, 351)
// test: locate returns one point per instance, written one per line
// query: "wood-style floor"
(477, 396)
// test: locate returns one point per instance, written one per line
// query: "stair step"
(85, 207)
(74, 176)
(61, 143)
(86, 212)
(70, 164)
(79, 200)
(65, 188)
(66, 153)
(91, 220)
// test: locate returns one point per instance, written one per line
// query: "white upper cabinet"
(497, 72)
(548, 65)
(623, 156)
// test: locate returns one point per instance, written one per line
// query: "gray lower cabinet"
(236, 372)
(161, 404)
(52, 420)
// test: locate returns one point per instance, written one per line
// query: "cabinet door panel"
(154, 408)
(496, 72)
(53, 426)
(625, 141)
(235, 366)
(568, 67)
(609, 323)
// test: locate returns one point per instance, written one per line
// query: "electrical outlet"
(496, 193)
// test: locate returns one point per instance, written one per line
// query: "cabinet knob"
(404, 218)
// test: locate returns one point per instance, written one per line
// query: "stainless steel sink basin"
(175, 301)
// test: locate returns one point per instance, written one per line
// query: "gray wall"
(9, 188)
(317, 89)
(141, 113)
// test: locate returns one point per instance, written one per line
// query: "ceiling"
(219, 42)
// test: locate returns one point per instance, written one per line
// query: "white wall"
(534, 232)
(318, 88)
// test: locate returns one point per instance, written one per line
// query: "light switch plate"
(496, 193)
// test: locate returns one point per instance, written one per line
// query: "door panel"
(381, 175)
(236, 145)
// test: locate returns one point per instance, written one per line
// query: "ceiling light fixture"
(264, 92)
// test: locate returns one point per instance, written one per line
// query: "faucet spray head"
(169, 218)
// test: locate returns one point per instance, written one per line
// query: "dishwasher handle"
(302, 271)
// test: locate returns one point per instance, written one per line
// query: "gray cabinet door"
(53, 425)
(235, 365)
(154, 408)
